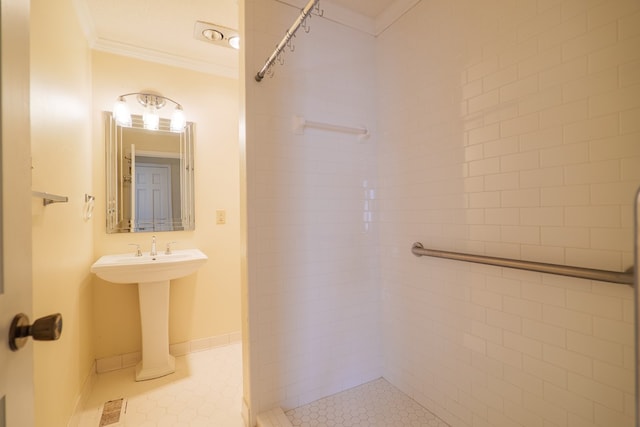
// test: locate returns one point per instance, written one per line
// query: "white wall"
(510, 128)
(313, 299)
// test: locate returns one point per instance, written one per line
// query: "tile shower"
(376, 403)
(506, 128)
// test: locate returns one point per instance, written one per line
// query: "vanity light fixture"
(151, 102)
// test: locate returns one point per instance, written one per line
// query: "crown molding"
(359, 22)
(137, 52)
(85, 20)
(348, 18)
(392, 13)
(164, 58)
(332, 12)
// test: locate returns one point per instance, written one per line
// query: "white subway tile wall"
(314, 296)
(508, 128)
(532, 107)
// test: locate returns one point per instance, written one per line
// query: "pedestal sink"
(152, 274)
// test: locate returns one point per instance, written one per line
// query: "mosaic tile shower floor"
(374, 404)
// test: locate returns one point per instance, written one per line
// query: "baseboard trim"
(130, 359)
(127, 360)
(81, 401)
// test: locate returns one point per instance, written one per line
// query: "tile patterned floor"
(374, 404)
(205, 390)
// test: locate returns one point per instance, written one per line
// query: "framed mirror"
(149, 177)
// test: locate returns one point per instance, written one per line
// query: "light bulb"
(150, 118)
(234, 42)
(121, 112)
(178, 120)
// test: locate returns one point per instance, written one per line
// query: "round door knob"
(48, 328)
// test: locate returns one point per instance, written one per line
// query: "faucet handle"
(138, 251)
(168, 251)
(153, 251)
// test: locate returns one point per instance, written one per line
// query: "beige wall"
(62, 240)
(102, 319)
(205, 304)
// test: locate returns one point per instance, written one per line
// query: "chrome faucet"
(153, 247)
(138, 251)
(168, 251)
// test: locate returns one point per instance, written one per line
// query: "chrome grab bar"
(629, 277)
(625, 278)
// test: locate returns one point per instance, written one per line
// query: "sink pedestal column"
(154, 315)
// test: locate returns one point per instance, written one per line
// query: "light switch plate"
(221, 216)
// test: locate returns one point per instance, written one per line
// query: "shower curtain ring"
(306, 25)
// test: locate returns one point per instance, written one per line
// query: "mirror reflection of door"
(155, 200)
(153, 196)
(152, 183)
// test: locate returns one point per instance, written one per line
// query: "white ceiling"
(369, 8)
(162, 30)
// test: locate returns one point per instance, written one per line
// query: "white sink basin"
(128, 268)
(153, 275)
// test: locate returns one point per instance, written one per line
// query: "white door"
(132, 172)
(153, 195)
(16, 368)
(636, 290)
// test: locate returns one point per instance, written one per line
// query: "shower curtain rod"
(625, 278)
(287, 37)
